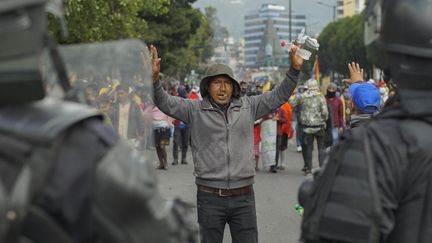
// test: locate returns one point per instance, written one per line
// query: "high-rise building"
(230, 53)
(347, 8)
(339, 9)
(352, 7)
(263, 32)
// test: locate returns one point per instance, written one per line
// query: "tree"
(101, 20)
(341, 42)
(182, 33)
(183, 36)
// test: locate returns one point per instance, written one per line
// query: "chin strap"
(58, 64)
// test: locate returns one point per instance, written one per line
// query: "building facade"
(353, 7)
(230, 53)
(340, 9)
(264, 30)
(348, 8)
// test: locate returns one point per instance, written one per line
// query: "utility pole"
(290, 20)
(334, 13)
(330, 6)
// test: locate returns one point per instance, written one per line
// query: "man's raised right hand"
(356, 73)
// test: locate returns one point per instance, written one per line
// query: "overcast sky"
(231, 12)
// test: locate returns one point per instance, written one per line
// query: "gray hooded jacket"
(221, 149)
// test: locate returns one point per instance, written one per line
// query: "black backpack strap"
(23, 218)
(58, 64)
(40, 227)
(16, 204)
(319, 220)
(321, 189)
(376, 205)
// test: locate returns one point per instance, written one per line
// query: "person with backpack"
(312, 120)
(377, 184)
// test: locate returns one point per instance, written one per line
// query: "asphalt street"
(275, 195)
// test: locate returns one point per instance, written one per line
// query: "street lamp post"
(330, 6)
(290, 20)
(334, 7)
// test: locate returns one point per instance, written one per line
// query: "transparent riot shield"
(95, 70)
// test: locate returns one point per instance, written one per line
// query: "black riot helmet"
(22, 40)
(402, 29)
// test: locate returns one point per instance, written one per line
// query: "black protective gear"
(65, 177)
(384, 19)
(20, 22)
(376, 186)
(407, 51)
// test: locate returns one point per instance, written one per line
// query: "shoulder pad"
(42, 121)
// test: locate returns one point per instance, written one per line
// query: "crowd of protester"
(309, 117)
(315, 117)
(130, 111)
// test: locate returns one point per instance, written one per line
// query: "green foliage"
(182, 34)
(101, 20)
(342, 42)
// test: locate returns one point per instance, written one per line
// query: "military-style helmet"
(403, 31)
(402, 26)
(22, 38)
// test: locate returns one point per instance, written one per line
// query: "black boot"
(184, 153)
(183, 161)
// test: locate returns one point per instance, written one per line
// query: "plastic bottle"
(306, 43)
(299, 209)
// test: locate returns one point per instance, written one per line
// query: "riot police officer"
(65, 176)
(377, 185)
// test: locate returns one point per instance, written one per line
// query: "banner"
(268, 142)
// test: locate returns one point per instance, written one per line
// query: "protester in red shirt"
(337, 112)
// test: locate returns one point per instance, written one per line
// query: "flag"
(315, 71)
(266, 87)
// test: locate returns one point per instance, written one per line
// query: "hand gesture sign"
(356, 73)
(156, 63)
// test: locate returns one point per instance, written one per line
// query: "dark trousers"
(308, 146)
(238, 211)
(281, 145)
(181, 139)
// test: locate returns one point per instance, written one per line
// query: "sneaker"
(161, 167)
(184, 162)
(281, 167)
(308, 172)
(273, 169)
(304, 169)
(174, 163)
(299, 149)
